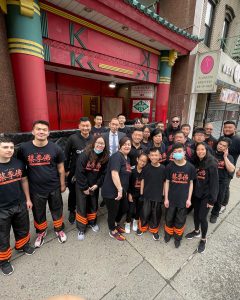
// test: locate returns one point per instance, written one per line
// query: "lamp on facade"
(112, 85)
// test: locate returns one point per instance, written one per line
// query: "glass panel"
(208, 18)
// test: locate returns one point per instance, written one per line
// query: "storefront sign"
(142, 91)
(206, 69)
(229, 96)
(141, 106)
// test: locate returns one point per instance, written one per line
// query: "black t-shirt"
(41, 165)
(98, 131)
(223, 173)
(126, 130)
(153, 182)
(135, 182)
(135, 152)
(211, 141)
(11, 174)
(234, 149)
(119, 163)
(161, 149)
(179, 181)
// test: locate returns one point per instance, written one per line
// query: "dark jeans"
(223, 191)
(134, 209)
(116, 210)
(227, 195)
(200, 215)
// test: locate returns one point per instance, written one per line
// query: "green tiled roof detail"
(143, 9)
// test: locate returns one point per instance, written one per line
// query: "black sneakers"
(139, 232)
(193, 234)
(167, 237)
(213, 219)
(202, 246)
(7, 268)
(177, 243)
(71, 217)
(156, 236)
(27, 249)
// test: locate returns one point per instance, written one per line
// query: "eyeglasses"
(100, 144)
(175, 121)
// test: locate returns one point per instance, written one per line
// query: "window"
(209, 22)
(229, 16)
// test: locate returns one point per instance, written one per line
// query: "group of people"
(138, 170)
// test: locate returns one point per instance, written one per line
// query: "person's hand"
(67, 173)
(29, 204)
(188, 203)
(238, 174)
(86, 192)
(119, 196)
(225, 154)
(166, 203)
(209, 205)
(93, 188)
(130, 198)
(63, 188)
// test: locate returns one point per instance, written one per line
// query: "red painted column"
(26, 51)
(162, 102)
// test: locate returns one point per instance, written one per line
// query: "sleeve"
(60, 155)
(24, 169)
(20, 155)
(213, 184)
(68, 154)
(80, 173)
(102, 175)
(115, 162)
(167, 173)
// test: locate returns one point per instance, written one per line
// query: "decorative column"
(27, 57)
(167, 60)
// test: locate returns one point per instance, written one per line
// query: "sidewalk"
(139, 268)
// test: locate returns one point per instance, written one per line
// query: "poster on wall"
(141, 106)
(145, 91)
(229, 96)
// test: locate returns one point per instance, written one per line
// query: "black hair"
(229, 123)
(198, 130)
(156, 131)
(43, 122)
(154, 149)
(175, 117)
(137, 120)
(84, 119)
(122, 114)
(102, 158)
(146, 116)
(185, 125)
(226, 140)
(145, 126)
(177, 132)
(137, 129)
(98, 115)
(123, 140)
(159, 122)
(4, 139)
(142, 154)
(207, 162)
(177, 146)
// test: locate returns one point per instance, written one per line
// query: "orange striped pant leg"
(58, 224)
(155, 216)
(5, 254)
(5, 228)
(39, 211)
(20, 243)
(179, 222)
(56, 208)
(92, 218)
(168, 230)
(81, 222)
(142, 226)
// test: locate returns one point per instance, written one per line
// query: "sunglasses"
(175, 121)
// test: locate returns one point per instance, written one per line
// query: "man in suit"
(113, 136)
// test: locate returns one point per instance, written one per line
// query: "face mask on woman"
(97, 151)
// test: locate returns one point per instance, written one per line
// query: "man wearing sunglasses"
(172, 129)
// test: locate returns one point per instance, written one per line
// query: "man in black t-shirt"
(98, 129)
(137, 147)
(14, 204)
(45, 169)
(152, 190)
(122, 127)
(178, 192)
(76, 143)
(226, 170)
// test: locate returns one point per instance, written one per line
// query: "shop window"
(209, 21)
(229, 16)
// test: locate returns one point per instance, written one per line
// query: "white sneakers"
(40, 239)
(127, 227)
(134, 226)
(61, 236)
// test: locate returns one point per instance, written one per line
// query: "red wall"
(64, 97)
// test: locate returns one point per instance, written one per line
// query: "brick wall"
(8, 107)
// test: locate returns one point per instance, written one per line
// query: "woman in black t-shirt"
(205, 192)
(157, 142)
(115, 187)
(90, 171)
(146, 136)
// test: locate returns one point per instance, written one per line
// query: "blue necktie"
(114, 144)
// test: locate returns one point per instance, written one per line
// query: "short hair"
(146, 126)
(142, 154)
(198, 130)
(156, 131)
(123, 140)
(229, 123)
(154, 149)
(137, 129)
(178, 132)
(225, 139)
(4, 139)
(137, 120)
(146, 116)
(177, 146)
(185, 125)
(114, 118)
(43, 122)
(122, 114)
(159, 122)
(84, 119)
(98, 115)
(175, 117)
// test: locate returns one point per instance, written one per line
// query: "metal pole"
(223, 119)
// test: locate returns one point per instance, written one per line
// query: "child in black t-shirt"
(134, 193)
(14, 204)
(178, 192)
(152, 190)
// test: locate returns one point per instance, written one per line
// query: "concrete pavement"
(139, 268)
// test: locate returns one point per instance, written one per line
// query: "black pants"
(55, 204)
(72, 193)
(200, 215)
(134, 209)
(150, 216)
(227, 195)
(16, 217)
(86, 209)
(223, 190)
(175, 219)
(116, 210)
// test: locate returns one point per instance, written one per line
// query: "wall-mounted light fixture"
(112, 85)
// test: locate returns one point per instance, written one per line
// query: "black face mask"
(229, 135)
